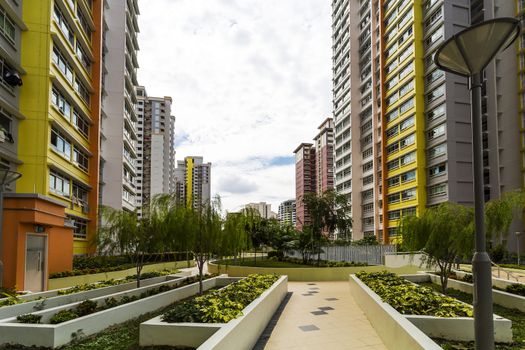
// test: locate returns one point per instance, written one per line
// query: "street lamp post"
(518, 245)
(6, 177)
(467, 54)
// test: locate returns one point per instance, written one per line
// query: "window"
(7, 27)
(437, 150)
(409, 211)
(393, 198)
(408, 158)
(394, 215)
(392, 165)
(367, 153)
(405, 71)
(406, 88)
(392, 148)
(61, 103)
(367, 194)
(408, 194)
(437, 35)
(62, 64)
(406, 106)
(81, 124)
(58, 184)
(393, 131)
(392, 182)
(367, 208)
(392, 115)
(436, 112)
(368, 166)
(437, 190)
(437, 131)
(408, 176)
(80, 194)
(84, 24)
(368, 180)
(407, 141)
(391, 83)
(436, 16)
(82, 91)
(84, 59)
(407, 123)
(60, 144)
(5, 68)
(435, 75)
(437, 170)
(80, 229)
(437, 92)
(63, 25)
(80, 159)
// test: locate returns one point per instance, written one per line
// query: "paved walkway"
(320, 315)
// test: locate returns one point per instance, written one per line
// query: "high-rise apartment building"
(314, 169)
(403, 138)
(264, 209)
(156, 147)
(119, 115)
(60, 99)
(193, 181)
(286, 213)
(49, 132)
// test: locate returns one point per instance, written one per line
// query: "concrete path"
(319, 315)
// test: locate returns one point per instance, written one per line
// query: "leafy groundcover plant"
(324, 263)
(411, 299)
(221, 306)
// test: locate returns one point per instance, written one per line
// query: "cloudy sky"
(250, 81)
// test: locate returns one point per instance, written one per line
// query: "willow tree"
(445, 233)
(123, 232)
(328, 213)
(500, 212)
(253, 227)
(234, 238)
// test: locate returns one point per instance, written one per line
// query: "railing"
(509, 274)
(371, 254)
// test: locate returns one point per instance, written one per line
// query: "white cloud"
(250, 80)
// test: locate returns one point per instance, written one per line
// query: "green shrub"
(29, 318)
(221, 306)
(516, 288)
(86, 307)
(110, 302)
(411, 299)
(324, 263)
(278, 254)
(63, 316)
(468, 278)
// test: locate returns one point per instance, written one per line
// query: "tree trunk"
(319, 252)
(188, 258)
(255, 255)
(200, 265)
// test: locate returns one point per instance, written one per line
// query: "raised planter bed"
(50, 299)
(54, 335)
(239, 333)
(508, 300)
(397, 334)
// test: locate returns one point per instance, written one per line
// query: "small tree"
(328, 212)
(253, 227)
(122, 232)
(445, 233)
(280, 238)
(304, 243)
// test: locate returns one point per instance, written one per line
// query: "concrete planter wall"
(64, 282)
(48, 335)
(241, 333)
(306, 273)
(458, 328)
(508, 300)
(496, 282)
(51, 299)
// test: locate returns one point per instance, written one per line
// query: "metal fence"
(370, 254)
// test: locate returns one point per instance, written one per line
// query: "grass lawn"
(262, 262)
(517, 318)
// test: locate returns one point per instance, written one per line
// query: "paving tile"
(309, 328)
(317, 313)
(324, 308)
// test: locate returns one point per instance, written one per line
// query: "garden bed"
(54, 298)
(230, 329)
(53, 335)
(434, 314)
(503, 298)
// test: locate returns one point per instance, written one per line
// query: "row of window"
(61, 184)
(63, 146)
(397, 214)
(5, 69)
(393, 65)
(399, 128)
(404, 107)
(402, 179)
(409, 68)
(7, 27)
(401, 161)
(398, 94)
(80, 227)
(399, 145)
(401, 196)
(69, 112)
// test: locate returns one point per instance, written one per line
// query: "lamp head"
(469, 51)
